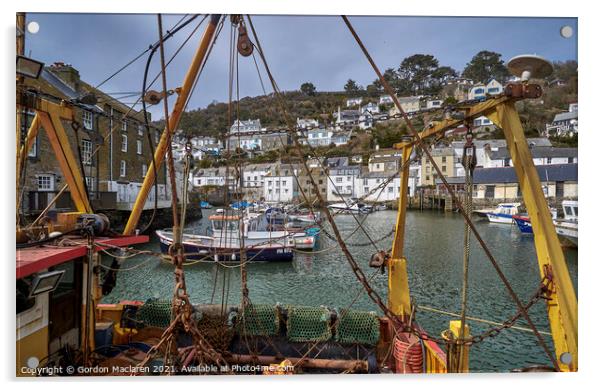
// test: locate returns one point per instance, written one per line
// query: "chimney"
(67, 73)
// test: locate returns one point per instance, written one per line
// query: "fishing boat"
(523, 221)
(501, 214)
(230, 236)
(567, 227)
(354, 207)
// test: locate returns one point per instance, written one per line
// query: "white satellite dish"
(529, 65)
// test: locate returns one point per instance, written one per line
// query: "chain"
(542, 293)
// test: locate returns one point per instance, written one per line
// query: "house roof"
(384, 159)
(500, 143)
(565, 116)
(376, 175)
(337, 162)
(559, 172)
(537, 152)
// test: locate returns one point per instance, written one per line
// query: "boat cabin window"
(568, 211)
(225, 225)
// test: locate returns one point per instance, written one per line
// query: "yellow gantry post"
(562, 305)
(399, 289)
(174, 119)
(50, 120)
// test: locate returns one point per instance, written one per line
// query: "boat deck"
(35, 259)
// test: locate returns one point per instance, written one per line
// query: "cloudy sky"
(318, 49)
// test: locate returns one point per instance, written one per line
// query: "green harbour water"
(433, 247)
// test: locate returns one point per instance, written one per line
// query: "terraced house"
(114, 173)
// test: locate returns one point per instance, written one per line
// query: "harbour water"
(433, 247)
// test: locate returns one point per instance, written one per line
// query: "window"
(140, 129)
(571, 160)
(45, 183)
(33, 151)
(144, 170)
(549, 160)
(90, 183)
(339, 179)
(390, 189)
(124, 143)
(87, 120)
(124, 125)
(365, 182)
(122, 168)
(87, 152)
(157, 137)
(493, 90)
(428, 178)
(138, 146)
(366, 190)
(443, 159)
(444, 168)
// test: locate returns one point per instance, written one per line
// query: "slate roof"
(566, 116)
(537, 152)
(559, 172)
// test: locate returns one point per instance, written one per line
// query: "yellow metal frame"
(49, 116)
(562, 303)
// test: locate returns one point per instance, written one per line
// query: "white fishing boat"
(353, 207)
(567, 227)
(230, 234)
(501, 214)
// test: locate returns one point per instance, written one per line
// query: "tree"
(486, 65)
(351, 86)
(308, 89)
(416, 72)
(441, 74)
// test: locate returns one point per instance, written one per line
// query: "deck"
(32, 260)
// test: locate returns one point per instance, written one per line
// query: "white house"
(372, 108)
(341, 185)
(214, 177)
(346, 119)
(480, 90)
(307, 123)
(564, 123)
(366, 120)
(409, 104)
(279, 188)
(245, 126)
(434, 103)
(367, 182)
(385, 99)
(384, 164)
(482, 121)
(319, 137)
(353, 102)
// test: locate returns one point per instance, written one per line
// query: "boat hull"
(499, 218)
(524, 224)
(202, 251)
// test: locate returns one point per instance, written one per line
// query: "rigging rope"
(423, 147)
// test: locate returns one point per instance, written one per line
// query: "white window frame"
(124, 125)
(87, 152)
(139, 146)
(122, 168)
(140, 129)
(48, 184)
(90, 183)
(144, 170)
(88, 120)
(124, 143)
(33, 151)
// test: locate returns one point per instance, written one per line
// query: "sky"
(317, 49)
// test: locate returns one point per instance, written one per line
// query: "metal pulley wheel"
(244, 45)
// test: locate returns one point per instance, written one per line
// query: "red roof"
(32, 260)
